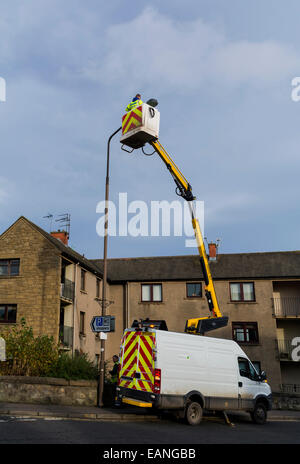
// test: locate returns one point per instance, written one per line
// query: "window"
(246, 369)
(9, 267)
(245, 332)
(151, 292)
(194, 290)
(242, 291)
(82, 323)
(8, 313)
(98, 288)
(82, 280)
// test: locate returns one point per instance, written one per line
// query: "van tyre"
(259, 414)
(193, 413)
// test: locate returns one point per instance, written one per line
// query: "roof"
(284, 264)
(66, 251)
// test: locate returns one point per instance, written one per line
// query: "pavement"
(126, 413)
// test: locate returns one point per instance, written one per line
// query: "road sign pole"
(102, 343)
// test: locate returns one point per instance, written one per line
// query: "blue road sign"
(103, 324)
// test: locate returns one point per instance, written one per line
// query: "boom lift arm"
(184, 189)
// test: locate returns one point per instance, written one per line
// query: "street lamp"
(104, 302)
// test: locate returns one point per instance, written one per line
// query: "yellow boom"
(184, 189)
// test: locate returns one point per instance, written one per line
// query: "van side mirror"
(263, 376)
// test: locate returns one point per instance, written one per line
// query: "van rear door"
(137, 359)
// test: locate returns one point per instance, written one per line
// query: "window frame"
(83, 280)
(6, 305)
(9, 266)
(242, 300)
(244, 324)
(251, 376)
(194, 296)
(98, 284)
(82, 323)
(151, 293)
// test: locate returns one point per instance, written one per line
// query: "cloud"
(156, 50)
(70, 68)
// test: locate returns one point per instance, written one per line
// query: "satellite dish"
(152, 102)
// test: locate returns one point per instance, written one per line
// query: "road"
(210, 431)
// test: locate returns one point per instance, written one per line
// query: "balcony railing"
(66, 336)
(287, 306)
(285, 349)
(67, 290)
(290, 388)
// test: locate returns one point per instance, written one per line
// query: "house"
(259, 292)
(58, 291)
(50, 285)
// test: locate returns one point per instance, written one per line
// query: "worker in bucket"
(136, 101)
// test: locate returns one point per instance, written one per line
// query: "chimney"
(212, 251)
(61, 235)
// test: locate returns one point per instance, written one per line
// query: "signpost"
(102, 325)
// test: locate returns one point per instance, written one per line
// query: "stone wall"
(46, 390)
(286, 401)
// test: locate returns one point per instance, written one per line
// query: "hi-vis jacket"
(134, 104)
(114, 373)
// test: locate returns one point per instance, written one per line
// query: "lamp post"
(105, 303)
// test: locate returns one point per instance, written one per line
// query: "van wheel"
(259, 414)
(193, 413)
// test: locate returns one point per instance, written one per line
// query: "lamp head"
(152, 102)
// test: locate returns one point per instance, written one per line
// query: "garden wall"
(46, 390)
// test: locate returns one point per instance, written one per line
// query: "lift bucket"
(139, 126)
(206, 324)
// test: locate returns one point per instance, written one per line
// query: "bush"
(77, 368)
(39, 356)
(28, 355)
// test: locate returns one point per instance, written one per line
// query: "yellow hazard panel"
(137, 361)
(132, 120)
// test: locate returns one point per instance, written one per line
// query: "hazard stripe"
(132, 119)
(137, 354)
(133, 122)
(146, 363)
(147, 349)
(145, 358)
(125, 119)
(129, 340)
(131, 358)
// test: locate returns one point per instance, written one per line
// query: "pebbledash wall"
(46, 390)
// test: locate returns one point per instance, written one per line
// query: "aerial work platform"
(139, 126)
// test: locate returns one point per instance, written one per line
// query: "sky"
(222, 72)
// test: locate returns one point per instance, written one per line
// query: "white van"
(189, 373)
